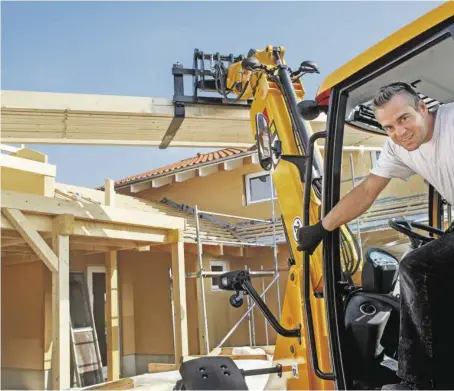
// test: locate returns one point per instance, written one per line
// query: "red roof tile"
(200, 159)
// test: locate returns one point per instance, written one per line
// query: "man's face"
(406, 125)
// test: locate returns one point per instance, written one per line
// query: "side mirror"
(310, 109)
(309, 67)
(263, 137)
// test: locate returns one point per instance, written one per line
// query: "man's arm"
(347, 209)
(355, 203)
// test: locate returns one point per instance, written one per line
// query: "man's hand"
(310, 237)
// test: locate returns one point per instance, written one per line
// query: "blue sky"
(128, 48)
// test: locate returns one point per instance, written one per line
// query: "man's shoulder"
(446, 109)
(444, 123)
(390, 147)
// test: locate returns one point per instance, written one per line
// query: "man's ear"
(422, 107)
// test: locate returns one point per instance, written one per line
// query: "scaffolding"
(201, 273)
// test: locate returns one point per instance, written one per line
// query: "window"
(258, 187)
(217, 266)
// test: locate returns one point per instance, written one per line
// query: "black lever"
(240, 280)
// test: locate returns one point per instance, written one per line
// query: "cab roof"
(412, 30)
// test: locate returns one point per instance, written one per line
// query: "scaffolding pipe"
(202, 285)
(252, 322)
(361, 148)
(238, 244)
(248, 301)
(217, 274)
(245, 314)
(264, 300)
(276, 266)
(352, 170)
(233, 216)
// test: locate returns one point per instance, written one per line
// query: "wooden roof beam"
(232, 164)
(121, 244)
(252, 159)
(28, 165)
(208, 170)
(235, 251)
(184, 176)
(32, 237)
(216, 249)
(88, 211)
(141, 186)
(159, 182)
(93, 248)
(116, 233)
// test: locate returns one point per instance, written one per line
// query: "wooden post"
(1, 266)
(112, 313)
(112, 317)
(179, 292)
(61, 345)
(109, 189)
(201, 320)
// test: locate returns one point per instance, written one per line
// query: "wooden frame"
(87, 211)
(29, 165)
(27, 217)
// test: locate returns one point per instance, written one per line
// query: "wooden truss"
(43, 228)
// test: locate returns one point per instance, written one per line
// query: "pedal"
(211, 373)
(390, 363)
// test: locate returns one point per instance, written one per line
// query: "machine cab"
(421, 54)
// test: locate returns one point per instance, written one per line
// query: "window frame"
(225, 268)
(247, 179)
(91, 269)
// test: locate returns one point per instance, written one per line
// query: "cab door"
(425, 61)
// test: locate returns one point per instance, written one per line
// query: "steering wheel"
(406, 227)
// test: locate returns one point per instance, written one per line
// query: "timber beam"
(116, 234)
(211, 249)
(86, 211)
(17, 219)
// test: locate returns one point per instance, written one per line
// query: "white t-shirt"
(433, 160)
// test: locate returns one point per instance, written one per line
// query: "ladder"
(85, 353)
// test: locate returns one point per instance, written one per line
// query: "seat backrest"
(372, 326)
(379, 272)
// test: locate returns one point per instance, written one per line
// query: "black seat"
(372, 317)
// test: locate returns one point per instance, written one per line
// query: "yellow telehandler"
(329, 334)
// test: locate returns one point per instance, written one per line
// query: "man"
(420, 142)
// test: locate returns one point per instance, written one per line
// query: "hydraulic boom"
(287, 148)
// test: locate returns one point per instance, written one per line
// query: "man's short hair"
(386, 92)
